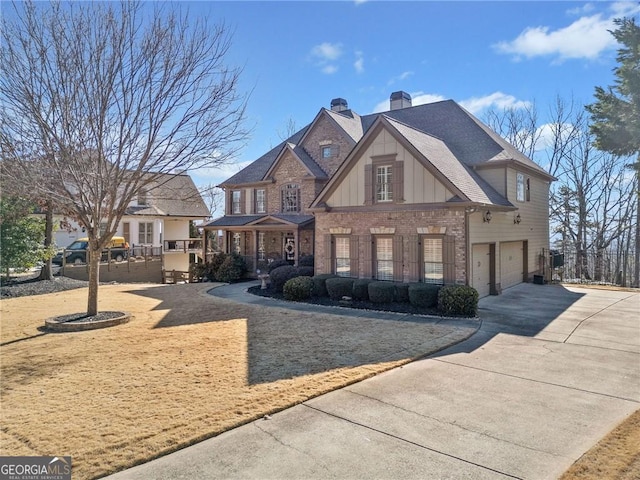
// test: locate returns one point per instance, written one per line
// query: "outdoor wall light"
(486, 216)
(517, 219)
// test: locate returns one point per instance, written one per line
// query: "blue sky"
(297, 56)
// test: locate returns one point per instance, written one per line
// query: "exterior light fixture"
(486, 216)
(517, 219)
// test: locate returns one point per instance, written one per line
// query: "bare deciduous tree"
(106, 98)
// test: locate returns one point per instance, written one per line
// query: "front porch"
(267, 238)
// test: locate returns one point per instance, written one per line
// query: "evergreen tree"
(616, 111)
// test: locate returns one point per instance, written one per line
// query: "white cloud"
(401, 77)
(324, 54)
(326, 51)
(586, 8)
(359, 63)
(497, 99)
(587, 37)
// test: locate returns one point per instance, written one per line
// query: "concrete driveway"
(550, 372)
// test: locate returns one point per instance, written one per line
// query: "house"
(415, 194)
(157, 222)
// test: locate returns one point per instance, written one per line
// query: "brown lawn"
(188, 366)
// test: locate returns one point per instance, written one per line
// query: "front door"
(289, 248)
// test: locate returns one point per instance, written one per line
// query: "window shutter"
(368, 184)
(414, 258)
(328, 254)
(243, 200)
(398, 256)
(449, 259)
(299, 199)
(398, 182)
(367, 257)
(354, 254)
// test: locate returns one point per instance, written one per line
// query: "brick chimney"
(339, 105)
(400, 100)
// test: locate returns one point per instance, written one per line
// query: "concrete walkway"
(550, 372)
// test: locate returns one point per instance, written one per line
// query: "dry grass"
(188, 366)
(615, 457)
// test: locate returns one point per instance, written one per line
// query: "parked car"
(76, 253)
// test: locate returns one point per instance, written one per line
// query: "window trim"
(335, 258)
(286, 207)
(234, 203)
(388, 184)
(264, 200)
(371, 179)
(145, 229)
(423, 262)
(376, 269)
(520, 187)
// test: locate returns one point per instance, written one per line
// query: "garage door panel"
(511, 264)
(480, 268)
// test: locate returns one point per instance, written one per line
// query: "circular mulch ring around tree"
(78, 322)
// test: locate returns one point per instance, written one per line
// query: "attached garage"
(512, 263)
(481, 269)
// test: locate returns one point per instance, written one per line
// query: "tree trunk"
(47, 272)
(94, 278)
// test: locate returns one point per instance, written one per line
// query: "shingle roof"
(233, 220)
(174, 196)
(241, 220)
(467, 138)
(436, 152)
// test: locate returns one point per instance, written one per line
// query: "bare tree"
(108, 97)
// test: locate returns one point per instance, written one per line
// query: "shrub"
(339, 287)
(381, 292)
(298, 288)
(277, 264)
(280, 275)
(305, 271)
(422, 295)
(458, 300)
(361, 289)
(198, 270)
(319, 284)
(402, 292)
(232, 269)
(213, 266)
(306, 261)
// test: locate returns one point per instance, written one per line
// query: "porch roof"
(256, 220)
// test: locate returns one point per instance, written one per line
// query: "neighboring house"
(157, 221)
(426, 193)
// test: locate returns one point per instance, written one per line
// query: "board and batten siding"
(533, 226)
(420, 186)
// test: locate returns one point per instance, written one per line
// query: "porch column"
(296, 242)
(225, 234)
(255, 249)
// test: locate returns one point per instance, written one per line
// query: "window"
(384, 180)
(290, 198)
(326, 152)
(432, 264)
(384, 183)
(236, 205)
(261, 205)
(142, 197)
(342, 257)
(145, 232)
(384, 258)
(520, 187)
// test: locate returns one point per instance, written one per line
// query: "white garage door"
(480, 269)
(511, 264)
